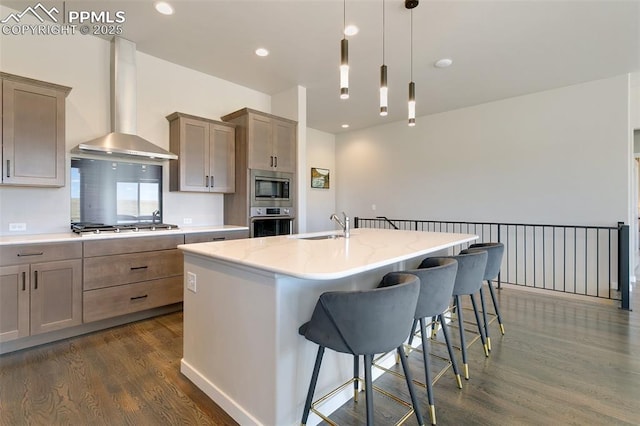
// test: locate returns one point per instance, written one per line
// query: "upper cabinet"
(33, 132)
(206, 154)
(267, 141)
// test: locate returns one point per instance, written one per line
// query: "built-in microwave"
(271, 189)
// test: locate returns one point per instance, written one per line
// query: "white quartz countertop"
(325, 259)
(70, 236)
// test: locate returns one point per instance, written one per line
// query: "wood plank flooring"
(562, 361)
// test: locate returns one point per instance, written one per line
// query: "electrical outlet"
(191, 281)
(187, 221)
(17, 227)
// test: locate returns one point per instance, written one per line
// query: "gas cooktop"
(98, 228)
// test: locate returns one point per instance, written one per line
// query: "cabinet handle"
(212, 181)
(35, 275)
(206, 181)
(276, 162)
(218, 239)
(8, 168)
(137, 268)
(271, 165)
(30, 254)
(24, 281)
(140, 297)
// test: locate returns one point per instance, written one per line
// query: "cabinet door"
(194, 155)
(260, 143)
(33, 135)
(14, 302)
(284, 146)
(56, 295)
(222, 159)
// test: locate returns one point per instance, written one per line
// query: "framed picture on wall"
(319, 178)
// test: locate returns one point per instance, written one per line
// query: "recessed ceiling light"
(345, 126)
(164, 7)
(443, 63)
(351, 30)
(262, 52)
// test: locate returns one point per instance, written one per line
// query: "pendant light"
(344, 57)
(412, 85)
(384, 99)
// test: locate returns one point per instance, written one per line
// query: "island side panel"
(229, 338)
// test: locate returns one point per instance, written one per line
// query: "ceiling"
(499, 49)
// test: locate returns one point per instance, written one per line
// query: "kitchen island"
(245, 299)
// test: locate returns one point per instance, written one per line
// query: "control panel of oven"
(271, 211)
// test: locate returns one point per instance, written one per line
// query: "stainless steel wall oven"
(271, 203)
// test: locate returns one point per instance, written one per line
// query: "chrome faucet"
(155, 215)
(344, 224)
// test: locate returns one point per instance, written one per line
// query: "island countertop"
(328, 258)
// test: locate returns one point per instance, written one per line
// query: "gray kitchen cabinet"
(15, 287)
(33, 132)
(127, 275)
(206, 154)
(265, 141)
(40, 289)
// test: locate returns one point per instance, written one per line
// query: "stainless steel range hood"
(123, 140)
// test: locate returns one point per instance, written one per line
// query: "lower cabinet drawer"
(125, 299)
(205, 237)
(106, 271)
(30, 253)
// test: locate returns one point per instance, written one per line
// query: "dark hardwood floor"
(562, 361)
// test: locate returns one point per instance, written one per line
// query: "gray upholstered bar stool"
(437, 278)
(468, 282)
(366, 323)
(495, 252)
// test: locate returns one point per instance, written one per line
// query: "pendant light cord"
(382, 32)
(411, 45)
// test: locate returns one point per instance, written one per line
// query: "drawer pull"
(140, 297)
(218, 239)
(40, 253)
(137, 268)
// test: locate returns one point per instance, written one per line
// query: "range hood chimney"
(123, 140)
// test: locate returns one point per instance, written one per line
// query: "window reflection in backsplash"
(115, 192)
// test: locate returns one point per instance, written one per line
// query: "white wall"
(560, 156)
(635, 100)
(320, 202)
(82, 62)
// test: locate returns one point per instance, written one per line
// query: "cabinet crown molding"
(176, 115)
(245, 111)
(34, 82)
